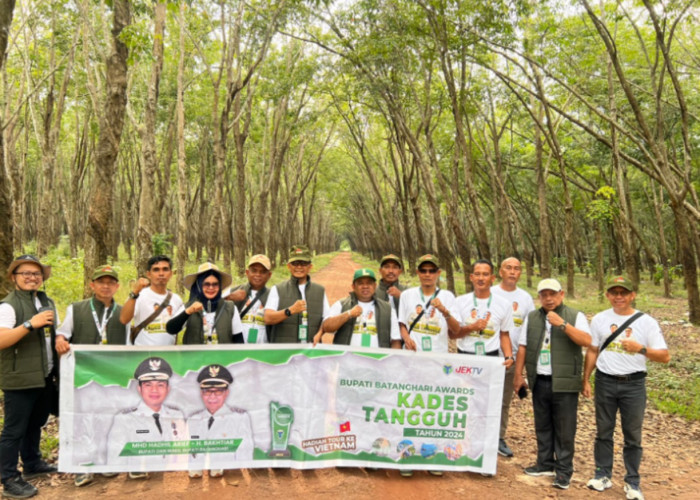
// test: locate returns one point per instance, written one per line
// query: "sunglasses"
(429, 270)
(210, 284)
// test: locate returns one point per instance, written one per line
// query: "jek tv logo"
(470, 371)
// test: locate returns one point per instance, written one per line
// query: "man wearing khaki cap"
(361, 319)
(250, 299)
(296, 308)
(550, 349)
(389, 288)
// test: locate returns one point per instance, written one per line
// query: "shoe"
(503, 448)
(138, 475)
(406, 473)
(633, 492)
(537, 470)
(216, 472)
(561, 482)
(437, 473)
(109, 474)
(195, 474)
(43, 469)
(600, 483)
(83, 479)
(17, 487)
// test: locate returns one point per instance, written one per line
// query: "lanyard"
(101, 327)
(422, 297)
(488, 304)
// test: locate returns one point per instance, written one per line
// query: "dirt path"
(670, 468)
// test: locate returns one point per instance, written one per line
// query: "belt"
(544, 377)
(492, 353)
(623, 378)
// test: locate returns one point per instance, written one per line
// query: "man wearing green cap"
(389, 288)
(361, 319)
(296, 308)
(620, 364)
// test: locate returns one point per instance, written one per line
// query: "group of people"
(498, 320)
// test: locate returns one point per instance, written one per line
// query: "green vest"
(382, 311)
(25, 365)
(85, 330)
(381, 292)
(194, 327)
(566, 356)
(287, 332)
(262, 296)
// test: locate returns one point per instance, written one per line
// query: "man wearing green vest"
(296, 308)
(25, 374)
(361, 319)
(93, 321)
(389, 288)
(550, 349)
(250, 299)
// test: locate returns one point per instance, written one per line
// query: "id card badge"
(480, 348)
(427, 344)
(366, 339)
(303, 330)
(544, 357)
(253, 336)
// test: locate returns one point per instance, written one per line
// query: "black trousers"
(555, 427)
(26, 412)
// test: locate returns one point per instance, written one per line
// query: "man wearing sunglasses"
(296, 308)
(620, 381)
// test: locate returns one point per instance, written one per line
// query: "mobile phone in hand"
(522, 392)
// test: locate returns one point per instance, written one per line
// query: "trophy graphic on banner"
(281, 419)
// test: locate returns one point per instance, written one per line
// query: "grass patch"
(675, 388)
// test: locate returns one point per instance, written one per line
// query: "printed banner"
(277, 406)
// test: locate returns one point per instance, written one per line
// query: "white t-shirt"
(366, 325)
(8, 319)
(499, 316)
(522, 305)
(544, 360)
(154, 333)
(253, 322)
(66, 328)
(614, 360)
(273, 300)
(430, 332)
(208, 321)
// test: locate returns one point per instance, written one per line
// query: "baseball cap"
(364, 273)
(299, 253)
(104, 271)
(549, 284)
(620, 281)
(260, 259)
(391, 257)
(428, 258)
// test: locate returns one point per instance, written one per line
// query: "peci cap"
(214, 376)
(549, 284)
(105, 271)
(25, 259)
(225, 278)
(364, 273)
(153, 368)
(428, 258)
(620, 281)
(260, 259)
(389, 258)
(299, 253)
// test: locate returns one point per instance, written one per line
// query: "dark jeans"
(555, 427)
(26, 411)
(630, 397)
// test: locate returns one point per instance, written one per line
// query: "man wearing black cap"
(26, 365)
(620, 365)
(150, 421)
(219, 421)
(389, 288)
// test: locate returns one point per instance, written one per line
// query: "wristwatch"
(643, 351)
(133, 295)
(28, 325)
(563, 325)
(510, 357)
(288, 312)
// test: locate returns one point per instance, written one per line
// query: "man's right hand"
(42, 319)
(195, 307)
(394, 292)
(587, 391)
(139, 285)
(298, 307)
(62, 345)
(356, 312)
(518, 382)
(236, 296)
(409, 344)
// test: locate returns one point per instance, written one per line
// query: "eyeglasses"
(29, 274)
(209, 284)
(619, 293)
(299, 263)
(428, 270)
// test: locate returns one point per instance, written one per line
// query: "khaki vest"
(381, 293)
(85, 330)
(194, 327)
(288, 330)
(382, 310)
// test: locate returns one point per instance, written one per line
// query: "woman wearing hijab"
(207, 317)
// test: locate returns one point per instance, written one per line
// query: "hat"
(225, 278)
(23, 259)
(214, 376)
(105, 271)
(364, 273)
(549, 284)
(153, 369)
(428, 258)
(299, 253)
(260, 259)
(389, 257)
(620, 281)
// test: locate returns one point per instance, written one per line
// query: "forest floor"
(670, 467)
